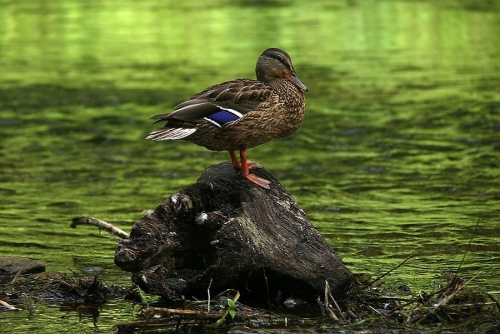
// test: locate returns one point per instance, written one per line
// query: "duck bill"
(296, 81)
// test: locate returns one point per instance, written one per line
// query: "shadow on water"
(37, 97)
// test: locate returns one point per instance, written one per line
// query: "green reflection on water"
(399, 153)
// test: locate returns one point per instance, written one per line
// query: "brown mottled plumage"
(242, 113)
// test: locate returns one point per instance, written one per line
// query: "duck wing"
(219, 104)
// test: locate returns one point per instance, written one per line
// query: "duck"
(240, 114)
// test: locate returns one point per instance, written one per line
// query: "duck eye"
(280, 58)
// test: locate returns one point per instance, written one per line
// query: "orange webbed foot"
(263, 183)
(245, 166)
(253, 165)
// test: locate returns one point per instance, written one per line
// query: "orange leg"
(245, 171)
(236, 164)
(234, 160)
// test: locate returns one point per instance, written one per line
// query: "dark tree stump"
(224, 232)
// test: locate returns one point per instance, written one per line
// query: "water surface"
(399, 154)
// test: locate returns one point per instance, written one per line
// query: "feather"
(170, 133)
(223, 116)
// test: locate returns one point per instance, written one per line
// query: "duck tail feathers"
(170, 133)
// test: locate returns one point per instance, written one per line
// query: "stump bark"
(224, 232)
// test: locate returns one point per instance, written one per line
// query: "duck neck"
(291, 94)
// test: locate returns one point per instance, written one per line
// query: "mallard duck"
(240, 114)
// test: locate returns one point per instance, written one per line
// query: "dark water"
(399, 154)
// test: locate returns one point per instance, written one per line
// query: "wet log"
(225, 233)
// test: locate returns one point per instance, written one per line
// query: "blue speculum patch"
(223, 116)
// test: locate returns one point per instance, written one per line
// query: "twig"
(17, 275)
(456, 289)
(226, 312)
(336, 305)
(390, 271)
(236, 293)
(454, 293)
(178, 317)
(101, 224)
(411, 301)
(378, 313)
(422, 299)
(374, 310)
(168, 312)
(468, 246)
(446, 299)
(328, 295)
(352, 314)
(325, 301)
(208, 295)
(8, 306)
(332, 314)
